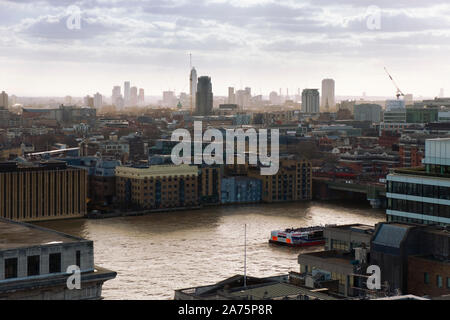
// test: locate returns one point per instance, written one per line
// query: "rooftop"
(333, 256)
(417, 171)
(357, 227)
(157, 171)
(15, 235)
(279, 291)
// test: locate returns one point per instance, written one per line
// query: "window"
(448, 283)
(78, 258)
(10, 268)
(54, 263)
(426, 278)
(439, 281)
(33, 265)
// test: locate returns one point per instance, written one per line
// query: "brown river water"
(156, 254)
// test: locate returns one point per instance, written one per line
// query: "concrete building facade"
(50, 190)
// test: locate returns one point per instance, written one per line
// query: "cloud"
(242, 33)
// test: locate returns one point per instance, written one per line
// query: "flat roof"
(333, 256)
(279, 290)
(354, 227)
(15, 235)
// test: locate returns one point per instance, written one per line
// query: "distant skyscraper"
(243, 98)
(4, 100)
(193, 87)
(141, 98)
(328, 98)
(204, 98)
(231, 96)
(126, 92)
(116, 93)
(169, 99)
(88, 101)
(133, 96)
(441, 93)
(120, 103)
(98, 101)
(310, 101)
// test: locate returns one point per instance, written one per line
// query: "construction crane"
(399, 92)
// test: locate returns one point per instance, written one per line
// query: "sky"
(265, 45)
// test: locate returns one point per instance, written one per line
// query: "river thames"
(156, 254)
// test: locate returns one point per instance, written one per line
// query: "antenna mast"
(245, 256)
(190, 82)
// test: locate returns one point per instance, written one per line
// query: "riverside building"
(42, 191)
(422, 195)
(157, 187)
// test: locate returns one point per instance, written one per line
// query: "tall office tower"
(242, 99)
(184, 99)
(4, 100)
(231, 96)
(126, 93)
(116, 93)
(204, 98)
(441, 93)
(141, 97)
(98, 101)
(310, 101)
(193, 87)
(133, 96)
(169, 99)
(88, 101)
(119, 103)
(328, 99)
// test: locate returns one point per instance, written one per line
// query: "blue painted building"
(240, 190)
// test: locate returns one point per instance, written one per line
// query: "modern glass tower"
(204, 99)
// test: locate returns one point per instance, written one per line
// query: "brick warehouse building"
(157, 187)
(42, 191)
(292, 182)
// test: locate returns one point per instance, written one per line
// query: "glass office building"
(422, 195)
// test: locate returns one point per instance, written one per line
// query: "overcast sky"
(263, 44)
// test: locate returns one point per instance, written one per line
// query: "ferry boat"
(300, 237)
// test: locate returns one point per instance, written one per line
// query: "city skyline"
(264, 45)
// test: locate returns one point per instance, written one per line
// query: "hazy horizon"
(265, 45)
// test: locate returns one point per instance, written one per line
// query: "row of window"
(439, 280)
(430, 209)
(34, 265)
(151, 180)
(420, 190)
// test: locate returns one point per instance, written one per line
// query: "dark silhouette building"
(204, 98)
